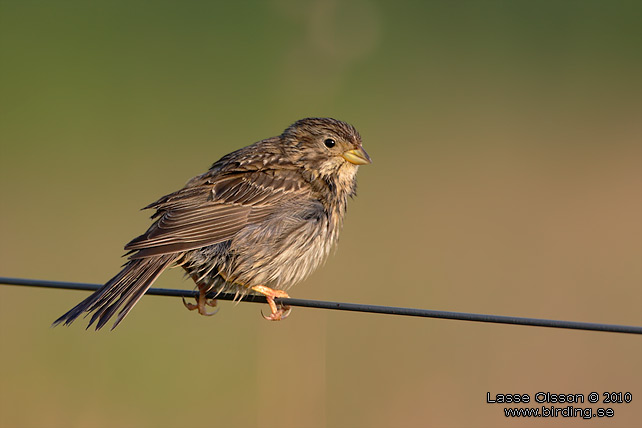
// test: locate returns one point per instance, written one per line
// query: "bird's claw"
(279, 312)
(189, 306)
(201, 302)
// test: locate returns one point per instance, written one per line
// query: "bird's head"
(327, 148)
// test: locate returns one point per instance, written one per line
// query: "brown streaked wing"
(213, 211)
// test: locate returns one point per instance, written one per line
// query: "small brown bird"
(260, 220)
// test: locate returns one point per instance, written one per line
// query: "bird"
(260, 220)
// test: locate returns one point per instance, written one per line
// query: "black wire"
(355, 307)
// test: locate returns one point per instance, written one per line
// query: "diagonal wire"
(354, 307)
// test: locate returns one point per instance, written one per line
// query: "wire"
(354, 307)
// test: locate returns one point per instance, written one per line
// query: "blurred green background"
(507, 175)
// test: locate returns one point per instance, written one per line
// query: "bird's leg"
(202, 300)
(280, 312)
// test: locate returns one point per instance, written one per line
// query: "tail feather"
(122, 292)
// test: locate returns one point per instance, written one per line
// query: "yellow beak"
(357, 156)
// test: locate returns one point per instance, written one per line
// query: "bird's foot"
(201, 302)
(279, 312)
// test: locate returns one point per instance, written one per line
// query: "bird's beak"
(357, 156)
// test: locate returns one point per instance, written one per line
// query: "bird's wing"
(213, 210)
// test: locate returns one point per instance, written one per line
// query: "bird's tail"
(121, 292)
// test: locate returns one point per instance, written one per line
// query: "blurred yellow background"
(507, 179)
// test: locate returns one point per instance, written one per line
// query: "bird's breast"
(285, 249)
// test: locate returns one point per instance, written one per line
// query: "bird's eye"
(329, 143)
